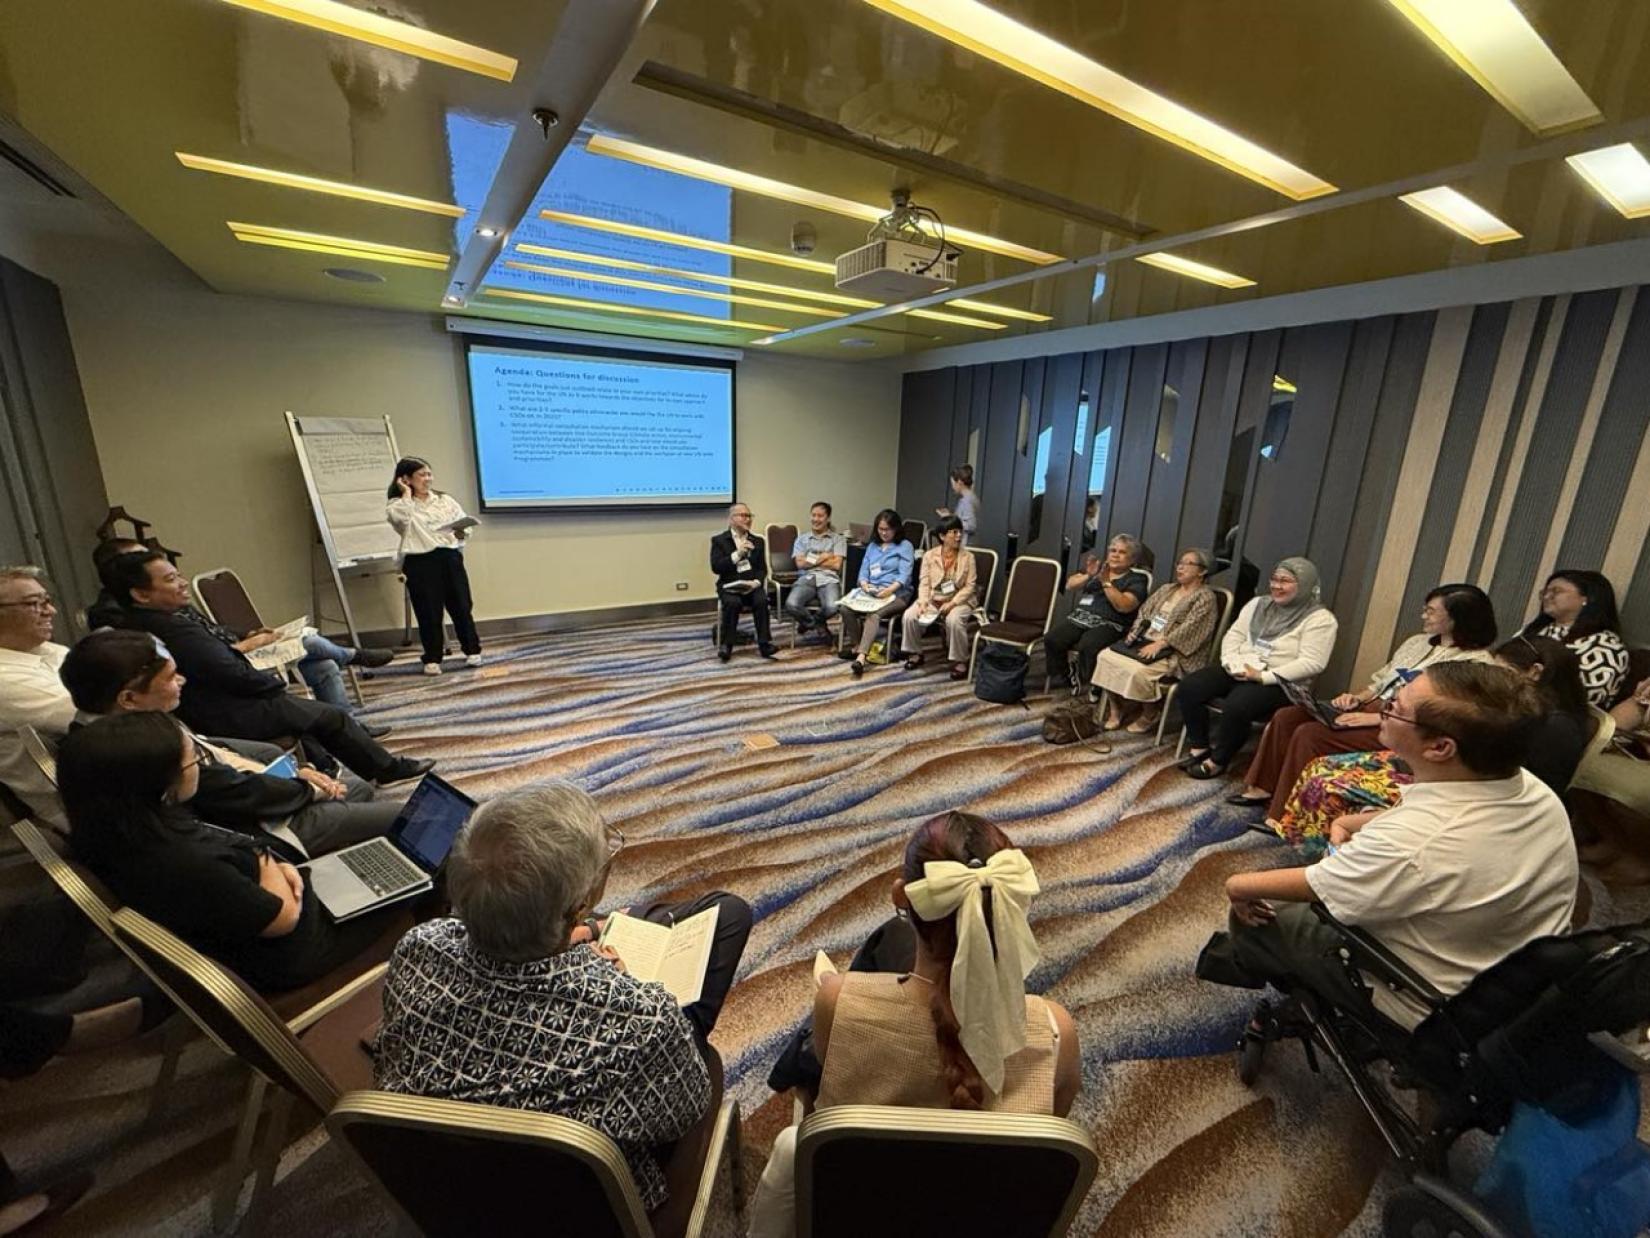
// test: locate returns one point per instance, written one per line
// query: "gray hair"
(21, 571)
(1205, 560)
(521, 868)
(1130, 544)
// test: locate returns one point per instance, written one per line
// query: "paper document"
(459, 525)
(676, 956)
(274, 657)
(295, 627)
(863, 602)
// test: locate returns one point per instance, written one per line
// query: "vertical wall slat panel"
(994, 479)
(1348, 447)
(1028, 409)
(1167, 485)
(924, 439)
(1082, 465)
(1211, 440)
(1134, 447)
(1060, 384)
(1114, 394)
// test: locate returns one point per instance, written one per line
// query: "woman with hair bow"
(957, 1030)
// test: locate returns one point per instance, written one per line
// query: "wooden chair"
(968, 1173)
(524, 1172)
(314, 1056)
(1033, 586)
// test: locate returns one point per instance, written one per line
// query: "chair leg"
(269, 1159)
(1181, 746)
(1163, 718)
(179, 1032)
(973, 656)
(234, 1173)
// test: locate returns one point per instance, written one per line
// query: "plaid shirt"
(569, 1035)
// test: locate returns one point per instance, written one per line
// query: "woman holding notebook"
(433, 527)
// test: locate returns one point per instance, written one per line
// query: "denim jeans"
(322, 669)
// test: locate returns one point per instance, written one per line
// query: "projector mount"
(915, 225)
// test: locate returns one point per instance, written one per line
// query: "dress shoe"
(724, 653)
(770, 652)
(375, 730)
(403, 769)
(370, 658)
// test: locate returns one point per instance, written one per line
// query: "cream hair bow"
(988, 989)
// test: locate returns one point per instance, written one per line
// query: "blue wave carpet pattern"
(796, 787)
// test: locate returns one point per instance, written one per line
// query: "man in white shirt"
(1474, 861)
(30, 692)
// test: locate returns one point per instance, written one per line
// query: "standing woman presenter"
(432, 558)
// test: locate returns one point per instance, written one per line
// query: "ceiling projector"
(906, 256)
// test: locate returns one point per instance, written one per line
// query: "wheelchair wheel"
(1251, 1054)
(1412, 1212)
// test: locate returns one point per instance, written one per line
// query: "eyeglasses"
(40, 603)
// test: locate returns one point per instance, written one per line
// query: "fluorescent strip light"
(986, 307)
(353, 23)
(546, 298)
(670, 161)
(988, 33)
(1492, 43)
(686, 242)
(626, 282)
(320, 243)
(703, 277)
(1461, 213)
(1620, 175)
(960, 320)
(1195, 270)
(338, 189)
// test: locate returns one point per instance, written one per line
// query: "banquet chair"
(1227, 597)
(1028, 605)
(782, 571)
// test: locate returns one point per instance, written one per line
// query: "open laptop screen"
(431, 820)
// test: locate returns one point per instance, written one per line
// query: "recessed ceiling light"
(1006, 311)
(703, 277)
(670, 161)
(1620, 175)
(624, 281)
(989, 33)
(1460, 213)
(398, 36)
(320, 243)
(489, 233)
(314, 184)
(351, 276)
(1196, 270)
(687, 242)
(1491, 42)
(962, 320)
(450, 299)
(857, 341)
(545, 298)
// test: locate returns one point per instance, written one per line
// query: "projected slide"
(569, 430)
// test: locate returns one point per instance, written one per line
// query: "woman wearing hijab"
(1286, 634)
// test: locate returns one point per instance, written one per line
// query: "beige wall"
(186, 392)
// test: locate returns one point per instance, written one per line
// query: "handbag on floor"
(1071, 722)
(1000, 674)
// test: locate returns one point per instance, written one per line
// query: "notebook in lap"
(402, 863)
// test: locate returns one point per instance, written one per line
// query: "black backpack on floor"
(1000, 673)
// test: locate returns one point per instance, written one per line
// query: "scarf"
(1272, 619)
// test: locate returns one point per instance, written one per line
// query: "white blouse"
(1296, 655)
(419, 522)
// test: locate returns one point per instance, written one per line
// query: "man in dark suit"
(740, 562)
(225, 694)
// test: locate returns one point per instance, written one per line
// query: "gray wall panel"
(1211, 440)
(1134, 447)
(1348, 447)
(924, 442)
(995, 475)
(1167, 487)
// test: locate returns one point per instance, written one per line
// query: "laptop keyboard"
(383, 869)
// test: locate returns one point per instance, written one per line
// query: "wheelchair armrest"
(1372, 957)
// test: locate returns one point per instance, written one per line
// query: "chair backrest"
(1033, 1172)
(781, 539)
(860, 533)
(495, 1170)
(41, 750)
(1227, 598)
(225, 600)
(985, 571)
(226, 1008)
(1150, 580)
(915, 532)
(1604, 730)
(1033, 586)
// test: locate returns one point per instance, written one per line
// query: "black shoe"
(724, 653)
(847, 655)
(376, 731)
(1244, 801)
(374, 657)
(769, 652)
(858, 669)
(403, 769)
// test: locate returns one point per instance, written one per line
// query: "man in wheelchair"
(1429, 938)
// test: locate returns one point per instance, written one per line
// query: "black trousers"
(733, 926)
(1065, 636)
(1242, 704)
(735, 600)
(437, 581)
(325, 730)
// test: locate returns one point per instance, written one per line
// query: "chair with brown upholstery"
(859, 534)
(915, 532)
(514, 1163)
(313, 1057)
(1028, 605)
(224, 599)
(1032, 1172)
(985, 571)
(1227, 598)
(782, 573)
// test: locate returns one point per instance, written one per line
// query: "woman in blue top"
(885, 574)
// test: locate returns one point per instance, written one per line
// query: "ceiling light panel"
(702, 277)
(999, 38)
(1619, 174)
(314, 184)
(1196, 270)
(320, 243)
(1460, 213)
(639, 232)
(353, 23)
(1005, 311)
(767, 187)
(545, 298)
(1492, 43)
(648, 285)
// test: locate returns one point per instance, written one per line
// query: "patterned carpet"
(795, 787)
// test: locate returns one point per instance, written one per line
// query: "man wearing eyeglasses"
(1474, 861)
(30, 694)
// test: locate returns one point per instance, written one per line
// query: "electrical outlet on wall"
(681, 586)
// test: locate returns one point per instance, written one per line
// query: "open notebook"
(674, 955)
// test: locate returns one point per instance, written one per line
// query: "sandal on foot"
(1141, 726)
(959, 670)
(1248, 801)
(1206, 769)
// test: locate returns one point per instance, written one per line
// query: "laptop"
(399, 865)
(1301, 694)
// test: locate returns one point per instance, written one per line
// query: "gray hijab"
(1272, 619)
